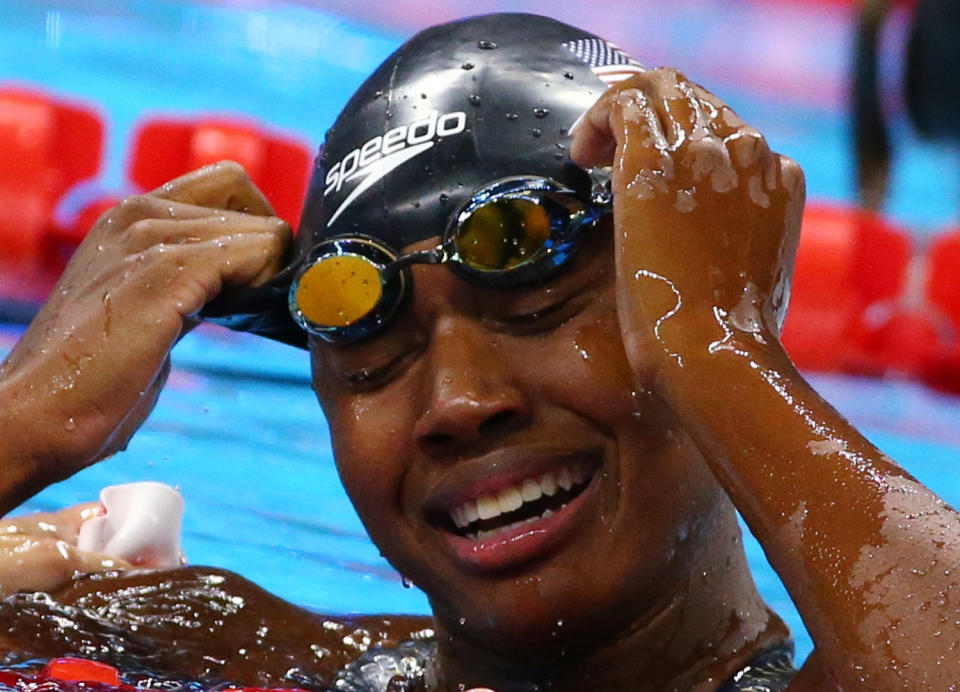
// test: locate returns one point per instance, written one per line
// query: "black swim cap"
(454, 108)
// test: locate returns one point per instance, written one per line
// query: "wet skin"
(653, 366)
(472, 390)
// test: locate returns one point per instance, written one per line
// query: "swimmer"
(549, 435)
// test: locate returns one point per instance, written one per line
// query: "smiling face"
(501, 455)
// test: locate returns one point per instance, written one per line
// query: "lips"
(515, 515)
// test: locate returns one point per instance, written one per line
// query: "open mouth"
(523, 503)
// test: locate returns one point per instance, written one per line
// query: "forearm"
(869, 555)
(20, 476)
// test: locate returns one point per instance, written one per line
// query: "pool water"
(238, 429)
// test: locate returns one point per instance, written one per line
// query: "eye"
(368, 372)
(544, 318)
(369, 378)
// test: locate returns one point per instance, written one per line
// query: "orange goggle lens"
(338, 290)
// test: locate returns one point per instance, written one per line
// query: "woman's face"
(504, 457)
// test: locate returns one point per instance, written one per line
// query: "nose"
(472, 400)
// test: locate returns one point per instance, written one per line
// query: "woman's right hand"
(90, 367)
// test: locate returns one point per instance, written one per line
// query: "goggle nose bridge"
(435, 255)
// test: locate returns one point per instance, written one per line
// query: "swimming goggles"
(513, 232)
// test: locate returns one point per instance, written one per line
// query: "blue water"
(239, 432)
(238, 429)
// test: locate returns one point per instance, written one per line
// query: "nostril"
(497, 421)
(437, 440)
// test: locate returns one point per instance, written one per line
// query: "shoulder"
(223, 627)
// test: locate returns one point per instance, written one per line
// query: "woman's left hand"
(707, 219)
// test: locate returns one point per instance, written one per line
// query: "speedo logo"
(379, 155)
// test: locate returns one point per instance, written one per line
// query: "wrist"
(706, 360)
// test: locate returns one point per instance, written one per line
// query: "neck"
(696, 636)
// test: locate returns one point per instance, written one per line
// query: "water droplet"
(484, 44)
(467, 66)
(559, 622)
(423, 96)
(558, 156)
(416, 205)
(407, 583)
(378, 93)
(389, 114)
(462, 621)
(70, 425)
(512, 116)
(536, 132)
(541, 112)
(564, 132)
(444, 197)
(560, 146)
(568, 75)
(474, 100)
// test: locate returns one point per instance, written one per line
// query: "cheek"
(589, 369)
(368, 448)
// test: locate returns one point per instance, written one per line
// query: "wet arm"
(869, 555)
(20, 476)
(91, 365)
(707, 221)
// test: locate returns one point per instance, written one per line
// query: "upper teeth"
(513, 497)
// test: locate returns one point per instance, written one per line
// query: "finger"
(749, 150)
(139, 207)
(187, 276)
(680, 113)
(669, 97)
(595, 134)
(223, 185)
(30, 563)
(593, 141)
(67, 521)
(63, 524)
(793, 179)
(723, 120)
(149, 232)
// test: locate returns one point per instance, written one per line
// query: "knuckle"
(131, 210)
(136, 206)
(149, 258)
(674, 75)
(230, 171)
(282, 231)
(141, 229)
(278, 244)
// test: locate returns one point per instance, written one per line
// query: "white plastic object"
(137, 522)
